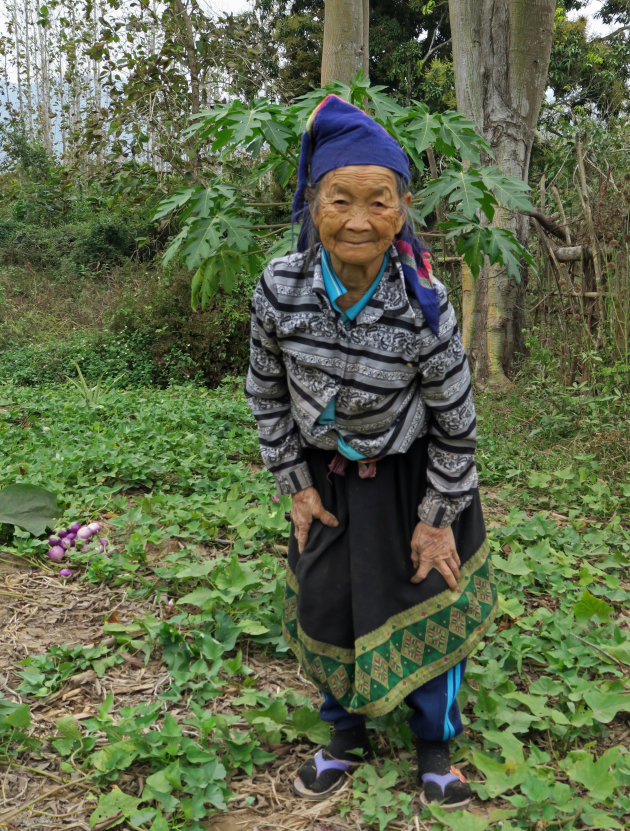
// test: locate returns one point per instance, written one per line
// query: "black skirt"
(358, 625)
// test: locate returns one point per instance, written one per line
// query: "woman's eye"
(340, 202)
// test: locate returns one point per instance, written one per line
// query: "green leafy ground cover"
(176, 472)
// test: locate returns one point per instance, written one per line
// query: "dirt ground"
(36, 611)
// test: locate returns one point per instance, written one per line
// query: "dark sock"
(435, 757)
(351, 745)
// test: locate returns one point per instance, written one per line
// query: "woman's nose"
(358, 218)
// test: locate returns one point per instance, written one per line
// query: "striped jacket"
(393, 380)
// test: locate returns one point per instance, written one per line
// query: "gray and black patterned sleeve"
(447, 393)
(267, 393)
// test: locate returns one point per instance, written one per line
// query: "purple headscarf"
(339, 134)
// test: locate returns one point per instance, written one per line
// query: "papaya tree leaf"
(508, 190)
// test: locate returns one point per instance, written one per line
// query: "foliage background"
(95, 135)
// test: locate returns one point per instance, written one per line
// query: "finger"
(301, 541)
(328, 519)
(448, 575)
(453, 566)
(456, 558)
(421, 573)
(415, 557)
(302, 536)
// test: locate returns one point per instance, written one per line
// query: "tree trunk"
(44, 98)
(16, 30)
(187, 37)
(345, 50)
(501, 52)
(27, 68)
(63, 121)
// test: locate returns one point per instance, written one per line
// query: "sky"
(234, 6)
(596, 27)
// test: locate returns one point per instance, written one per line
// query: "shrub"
(105, 354)
(107, 241)
(198, 345)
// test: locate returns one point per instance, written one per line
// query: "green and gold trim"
(408, 650)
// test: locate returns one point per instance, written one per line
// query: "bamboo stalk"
(563, 216)
(588, 216)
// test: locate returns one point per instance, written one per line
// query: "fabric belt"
(367, 467)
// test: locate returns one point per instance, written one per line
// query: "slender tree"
(18, 62)
(346, 31)
(44, 102)
(27, 69)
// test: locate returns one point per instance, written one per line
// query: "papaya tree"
(345, 49)
(222, 232)
(501, 59)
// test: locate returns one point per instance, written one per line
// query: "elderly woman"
(361, 390)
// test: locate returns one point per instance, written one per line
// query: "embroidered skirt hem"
(360, 629)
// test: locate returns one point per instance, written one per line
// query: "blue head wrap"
(339, 134)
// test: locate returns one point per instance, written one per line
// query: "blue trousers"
(435, 716)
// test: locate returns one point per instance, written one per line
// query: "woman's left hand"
(434, 548)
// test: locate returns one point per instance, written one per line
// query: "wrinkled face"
(358, 214)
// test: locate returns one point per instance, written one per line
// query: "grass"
(188, 513)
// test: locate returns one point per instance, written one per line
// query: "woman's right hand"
(306, 505)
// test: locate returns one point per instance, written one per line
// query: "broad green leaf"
(69, 727)
(252, 627)
(171, 729)
(619, 651)
(515, 564)
(510, 606)
(536, 786)
(202, 597)
(458, 820)
(509, 191)
(546, 686)
(142, 817)
(160, 785)
(28, 506)
(511, 747)
(276, 712)
(458, 137)
(500, 776)
(159, 823)
(172, 202)
(424, 129)
(466, 194)
(600, 820)
(597, 777)
(307, 722)
(589, 606)
(470, 245)
(174, 246)
(115, 756)
(606, 705)
(201, 569)
(278, 135)
(110, 804)
(13, 714)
